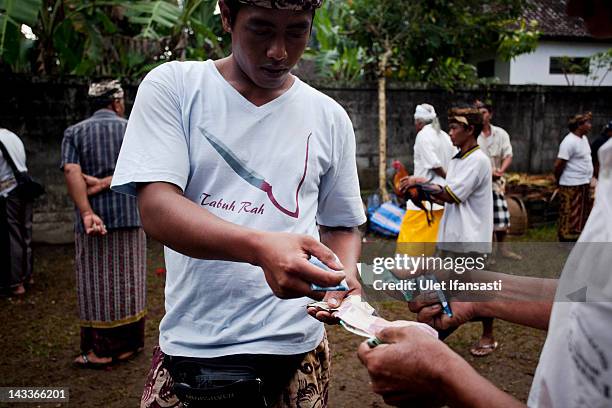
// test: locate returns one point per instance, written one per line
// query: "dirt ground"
(40, 337)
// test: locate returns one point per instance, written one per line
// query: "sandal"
(478, 350)
(89, 364)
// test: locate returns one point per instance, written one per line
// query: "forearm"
(559, 167)
(444, 196)
(464, 387)
(522, 300)
(184, 226)
(77, 189)
(440, 172)
(346, 244)
(505, 164)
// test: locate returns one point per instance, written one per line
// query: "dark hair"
(575, 125)
(482, 103)
(477, 130)
(100, 103)
(234, 7)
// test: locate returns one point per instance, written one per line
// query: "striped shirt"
(94, 144)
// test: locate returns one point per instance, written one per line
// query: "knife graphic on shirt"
(251, 176)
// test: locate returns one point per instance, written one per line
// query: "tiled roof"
(553, 19)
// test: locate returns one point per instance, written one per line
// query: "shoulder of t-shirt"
(481, 158)
(327, 104)
(7, 134)
(170, 74)
(501, 131)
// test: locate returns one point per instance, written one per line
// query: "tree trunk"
(382, 126)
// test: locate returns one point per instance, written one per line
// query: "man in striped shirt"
(110, 256)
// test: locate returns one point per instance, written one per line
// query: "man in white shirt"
(244, 172)
(15, 219)
(467, 224)
(433, 151)
(495, 143)
(574, 172)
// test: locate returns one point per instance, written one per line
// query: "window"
(569, 65)
(486, 69)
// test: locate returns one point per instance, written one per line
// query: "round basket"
(518, 215)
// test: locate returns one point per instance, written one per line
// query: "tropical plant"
(108, 37)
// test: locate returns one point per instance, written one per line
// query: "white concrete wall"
(534, 68)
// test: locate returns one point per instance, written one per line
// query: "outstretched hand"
(432, 313)
(284, 260)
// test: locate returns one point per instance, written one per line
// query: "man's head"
(486, 109)
(580, 124)
(107, 95)
(268, 36)
(424, 114)
(465, 124)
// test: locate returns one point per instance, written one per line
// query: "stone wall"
(39, 110)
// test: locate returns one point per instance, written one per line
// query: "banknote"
(343, 286)
(359, 318)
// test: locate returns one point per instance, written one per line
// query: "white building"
(562, 57)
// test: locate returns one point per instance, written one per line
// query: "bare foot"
(128, 354)
(483, 347)
(511, 255)
(125, 356)
(18, 290)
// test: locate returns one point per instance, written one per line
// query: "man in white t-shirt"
(574, 171)
(15, 219)
(574, 369)
(433, 151)
(243, 172)
(467, 224)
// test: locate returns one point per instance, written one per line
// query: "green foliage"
(336, 55)
(521, 40)
(14, 13)
(123, 38)
(428, 40)
(601, 65)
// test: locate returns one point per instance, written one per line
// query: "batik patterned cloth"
(576, 204)
(308, 387)
(111, 277)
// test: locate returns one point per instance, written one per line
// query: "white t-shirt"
(284, 166)
(497, 147)
(575, 367)
(431, 150)
(14, 147)
(579, 168)
(467, 224)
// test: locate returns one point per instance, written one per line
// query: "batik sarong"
(306, 388)
(576, 204)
